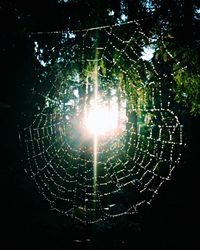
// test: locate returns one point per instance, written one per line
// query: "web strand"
(92, 177)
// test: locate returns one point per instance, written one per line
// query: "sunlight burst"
(102, 120)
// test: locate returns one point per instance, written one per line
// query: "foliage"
(187, 79)
(180, 19)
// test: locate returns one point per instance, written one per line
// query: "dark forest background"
(172, 219)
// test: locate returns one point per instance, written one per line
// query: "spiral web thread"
(126, 167)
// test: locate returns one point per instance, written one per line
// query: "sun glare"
(102, 120)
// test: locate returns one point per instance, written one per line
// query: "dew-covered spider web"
(103, 134)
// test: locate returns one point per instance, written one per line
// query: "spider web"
(84, 175)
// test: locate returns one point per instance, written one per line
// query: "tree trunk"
(188, 21)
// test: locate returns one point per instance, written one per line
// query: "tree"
(179, 43)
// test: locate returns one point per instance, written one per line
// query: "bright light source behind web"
(102, 120)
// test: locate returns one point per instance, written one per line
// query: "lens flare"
(102, 120)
